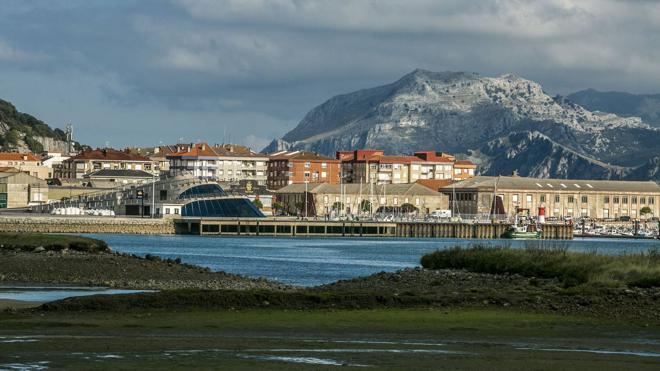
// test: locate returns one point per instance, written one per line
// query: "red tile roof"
(108, 154)
(301, 155)
(196, 150)
(16, 156)
(434, 184)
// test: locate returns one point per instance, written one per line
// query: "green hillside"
(17, 128)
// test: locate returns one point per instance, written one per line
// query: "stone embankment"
(51, 224)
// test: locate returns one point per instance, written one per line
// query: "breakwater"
(50, 224)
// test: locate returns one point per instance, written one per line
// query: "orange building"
(464, 169)
(286, 168)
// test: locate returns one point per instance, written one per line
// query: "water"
(315, 261)
(48, 293)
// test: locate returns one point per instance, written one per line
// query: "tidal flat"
(438, 338)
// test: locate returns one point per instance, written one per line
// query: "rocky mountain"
(646, 106)
(503, 123)
(22, 132)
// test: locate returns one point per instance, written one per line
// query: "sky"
(129, 72)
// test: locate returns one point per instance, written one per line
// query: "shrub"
(570, 268)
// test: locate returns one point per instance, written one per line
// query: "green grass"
(571, 268)
(30, 241)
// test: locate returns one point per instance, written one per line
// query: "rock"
(39, 249)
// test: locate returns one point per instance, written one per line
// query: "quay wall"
(85, 225)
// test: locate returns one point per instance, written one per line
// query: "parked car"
(624, 218)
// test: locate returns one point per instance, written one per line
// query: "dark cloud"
(137, 72)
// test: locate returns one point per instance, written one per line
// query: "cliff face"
(504, 123)
(646, 106)
(22, 132)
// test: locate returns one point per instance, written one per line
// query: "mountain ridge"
(464, 113)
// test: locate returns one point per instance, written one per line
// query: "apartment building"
(224, 163)
(599, 199)
(373, 166)
(27, 163)
(92, 160)
(240, 163)
(286, 168)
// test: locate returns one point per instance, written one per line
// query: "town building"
(598, 199)
(373, 166)
(53, 161)
(18, 189)
(225, 163)
(238, 163)
(28, 163)
(295, 167)
(167, 197)
(89, 161)
(111, 178)
(325, 199)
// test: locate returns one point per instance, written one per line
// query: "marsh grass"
(570, 268)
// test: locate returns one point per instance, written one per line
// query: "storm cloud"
(142, 72)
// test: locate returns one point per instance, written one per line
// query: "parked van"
(441, 213)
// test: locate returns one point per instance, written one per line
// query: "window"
(176, 211)
(606, 213)
(570, 199)
(457, 171)
(569, 211)
(584, 212)
(417, 201)
(633, 200)
(642, 200)
(528, 199)
(306, 174)
(396, 200)
(324, 165)
(606, 199)
(542, 198)
(651, 200)
(584, 199)
(557, 199)
(615, 199)
(382, 200)
(307, 164)
(324, 174)
(163, 194)
(167, 210)
(325, 199)
(625, 199)
(514, 198)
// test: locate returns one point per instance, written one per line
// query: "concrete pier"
(273, 227)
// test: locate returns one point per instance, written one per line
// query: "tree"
(408, 208)
(645, 211)
(365, 206)
(337, 206)
(258, 204)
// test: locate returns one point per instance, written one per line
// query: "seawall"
(51, 224)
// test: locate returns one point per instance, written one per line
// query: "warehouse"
(598, 199)
(19, 189)
(325, 199)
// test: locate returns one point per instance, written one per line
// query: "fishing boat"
(521, 232)
(520, 228)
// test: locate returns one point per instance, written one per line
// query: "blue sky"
(127, 72)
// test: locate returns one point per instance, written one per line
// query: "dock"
(319, 228)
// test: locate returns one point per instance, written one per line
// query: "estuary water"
(315, 261)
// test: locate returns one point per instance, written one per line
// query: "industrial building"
(598, 199)
(169, 197)
(325, 199)
(19, 190)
